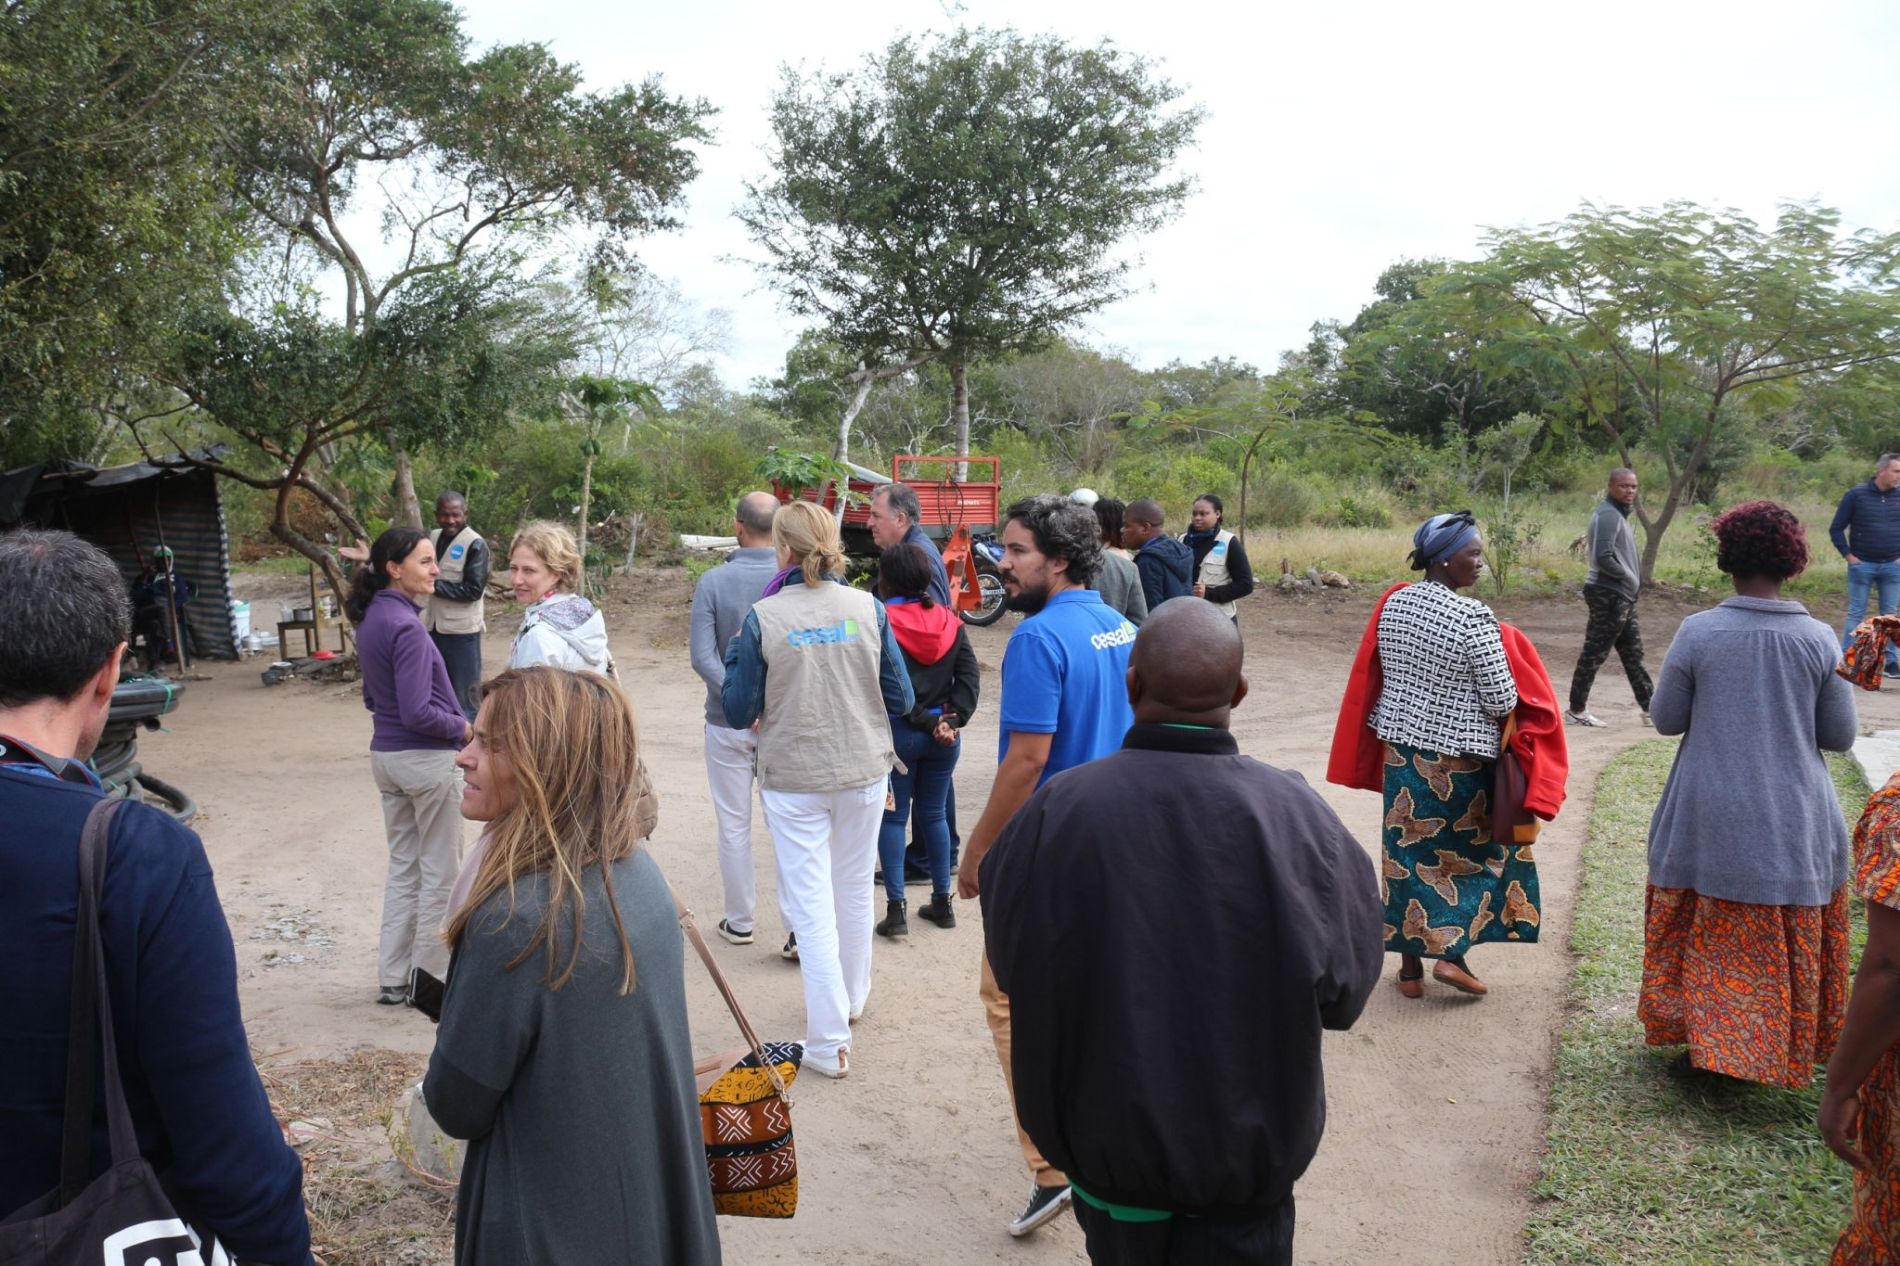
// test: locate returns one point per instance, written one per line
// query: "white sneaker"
(1646, 718)
(836, 1069)
(1581, 718)
(733, 935)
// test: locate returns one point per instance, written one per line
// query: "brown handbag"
(1511, 822)
(745, 1109)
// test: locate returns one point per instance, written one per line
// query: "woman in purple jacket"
(419, 727)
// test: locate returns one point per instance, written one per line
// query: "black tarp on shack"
(128, 511)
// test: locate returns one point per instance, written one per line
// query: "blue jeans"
(927, 782)
(1862, 578)
(462, 656)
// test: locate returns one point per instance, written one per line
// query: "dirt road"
(1436, 1106)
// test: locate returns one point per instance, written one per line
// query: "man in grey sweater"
(720, 602)
(1610, 591)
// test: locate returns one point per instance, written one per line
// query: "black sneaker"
(790, 952)
(1044, 1204)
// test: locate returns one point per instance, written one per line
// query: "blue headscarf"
(1441, 536)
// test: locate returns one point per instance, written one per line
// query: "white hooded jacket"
(563, 630)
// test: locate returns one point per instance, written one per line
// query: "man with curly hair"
(1065, 702)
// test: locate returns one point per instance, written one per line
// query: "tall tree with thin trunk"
(964, 196)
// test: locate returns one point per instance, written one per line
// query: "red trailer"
(952, 512)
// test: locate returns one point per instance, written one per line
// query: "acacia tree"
(477, 161)
(962, 197)
(1665, 324)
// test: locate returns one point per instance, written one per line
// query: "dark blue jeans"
(1864, 580)
(926, 782)
(462, 656)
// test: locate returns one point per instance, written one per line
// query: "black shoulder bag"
(122, 1217)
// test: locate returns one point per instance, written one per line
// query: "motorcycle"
(986, 551)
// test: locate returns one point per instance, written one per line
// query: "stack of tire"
(140, 699)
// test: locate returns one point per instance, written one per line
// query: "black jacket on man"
(1174, 925)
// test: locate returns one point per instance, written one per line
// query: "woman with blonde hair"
(816, 666)
(558, 625)
(564, 1030)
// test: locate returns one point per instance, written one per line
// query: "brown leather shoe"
(1446, 972)
(1411, 986)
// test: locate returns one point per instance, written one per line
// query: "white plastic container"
(240, 620)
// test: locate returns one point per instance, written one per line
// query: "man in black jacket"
(1174, 925)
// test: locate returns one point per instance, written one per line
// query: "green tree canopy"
(476, 162)
(1665, 326)
(962, 197)
(115, 214)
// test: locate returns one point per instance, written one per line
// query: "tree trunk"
(841, 452)
(587, 498)
(408, 508)
(960, 414)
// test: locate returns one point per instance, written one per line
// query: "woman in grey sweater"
(1745, 955)
(563, 1055)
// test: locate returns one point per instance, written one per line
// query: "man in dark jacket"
(1165, 564)
(1866, 530)
(197, 1106)
(455, 615)
(1175, 924)
(1610, 591)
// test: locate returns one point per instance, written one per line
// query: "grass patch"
(362, 1210)
(1640, 1168)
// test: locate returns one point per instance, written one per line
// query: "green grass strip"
(1639, 1167)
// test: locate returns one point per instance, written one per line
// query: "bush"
(1361, 508)
(1174, 477)
(1280, 498)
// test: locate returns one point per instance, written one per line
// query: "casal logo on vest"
(842, 631)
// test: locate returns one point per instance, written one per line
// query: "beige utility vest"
(441, 615)
(1214, 568)
(824, 726)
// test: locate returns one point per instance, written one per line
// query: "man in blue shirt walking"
(1866, 530)
(1065, 703)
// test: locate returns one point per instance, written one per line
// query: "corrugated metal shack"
(129, 511)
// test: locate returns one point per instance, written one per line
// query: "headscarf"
(1441, 536)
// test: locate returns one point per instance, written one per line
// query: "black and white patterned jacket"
(1447, 681)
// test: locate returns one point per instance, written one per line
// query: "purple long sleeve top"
(405, 684)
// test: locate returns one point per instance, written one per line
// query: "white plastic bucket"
(240, 620)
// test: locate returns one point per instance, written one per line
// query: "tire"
(991, 583)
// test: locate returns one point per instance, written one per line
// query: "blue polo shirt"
(1065, 672)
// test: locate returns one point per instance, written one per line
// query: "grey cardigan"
(721, 600)
(1749, 812)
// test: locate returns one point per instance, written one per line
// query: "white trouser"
(422, 815)
(729, 772)
(826, 843)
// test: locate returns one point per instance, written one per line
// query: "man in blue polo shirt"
(1866, 530)
(1065, 703)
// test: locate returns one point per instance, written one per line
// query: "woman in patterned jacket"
(1447, 683)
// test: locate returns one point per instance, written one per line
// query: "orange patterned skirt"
(1873, 1237)
(1755, 992)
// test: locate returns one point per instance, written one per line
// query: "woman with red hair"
(1745, 944)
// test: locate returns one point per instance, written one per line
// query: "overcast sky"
(1340, 137)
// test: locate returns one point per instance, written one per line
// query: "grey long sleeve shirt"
(721, 601)
(1614, 563)
(1749, 812)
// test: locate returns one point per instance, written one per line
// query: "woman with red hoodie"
(945, 679)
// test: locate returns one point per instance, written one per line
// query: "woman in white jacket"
(559, 627)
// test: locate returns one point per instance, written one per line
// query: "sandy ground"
(1435, 1106)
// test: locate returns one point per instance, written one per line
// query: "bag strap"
(691, 928)
(1507, 731)
(89, 1021)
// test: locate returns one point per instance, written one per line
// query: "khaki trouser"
(422, 815)
(996, 1010)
